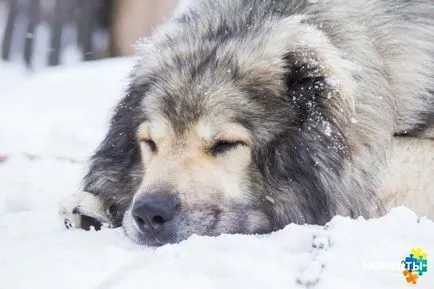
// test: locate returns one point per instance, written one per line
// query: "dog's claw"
(67, 223)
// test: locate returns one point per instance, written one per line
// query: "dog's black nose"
(152, 211)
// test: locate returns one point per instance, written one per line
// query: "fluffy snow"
(50, 122)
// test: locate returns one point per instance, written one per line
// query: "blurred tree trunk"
(134, 19)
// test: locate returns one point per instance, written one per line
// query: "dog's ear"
(305, 86)
(114, 171)
(317, 103)
(308, 158)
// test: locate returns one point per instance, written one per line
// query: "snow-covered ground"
(49, 124)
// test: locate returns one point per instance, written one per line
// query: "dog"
(243, 116)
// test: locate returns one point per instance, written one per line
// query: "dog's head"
(224, 134)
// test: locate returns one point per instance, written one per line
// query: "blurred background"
(40, 33)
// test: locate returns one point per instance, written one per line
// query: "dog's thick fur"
(257, 114)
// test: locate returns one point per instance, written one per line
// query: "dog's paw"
(83, 210)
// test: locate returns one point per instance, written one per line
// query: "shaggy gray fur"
(322, 87)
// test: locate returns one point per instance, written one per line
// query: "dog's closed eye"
(223, 146)
(151, 145)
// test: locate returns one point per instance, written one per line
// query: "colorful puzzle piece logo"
(410, 277)
(415, 265)
(418, 252)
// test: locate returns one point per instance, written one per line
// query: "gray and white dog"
(243, 116)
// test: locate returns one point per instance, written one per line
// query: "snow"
(354, 121)
(50, 122)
